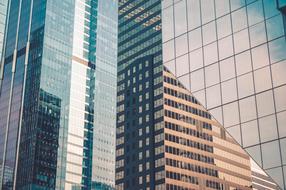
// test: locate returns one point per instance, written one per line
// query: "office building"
(58, 95)
(232, 56)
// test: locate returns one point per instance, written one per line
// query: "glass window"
(230, 114)
(262, 79)
(208, 12)
(212, 74)
(265, 104)
(276, 173)
(257, 34)
(245, 85)
(255, 12)
(210, 53)
(168, 51)
(222, 7)
(197, 80)
(181, 45)
(182, 65)
(227, 69)
(213, 96)
(239, 20)
(167, 24)
(260, 56)
(281, 119)
(166, 3)
(241, 41)
(229, 91)
(225, 47)
(250, 134)
(196, 59)
(201, 97)
(235, 4)
(255, 153)
(171, 66)
(280, 100)
(185, 80)
(223, 26)
(180, 18)
(283, 150)
(270, 8)
(247, 109)
(275, 27)
(278, 73)
(194, 18)
(235, 133)
(268, 128)
(217, 114)
(243, 63)
(195, 39)
(209, 33)
(277, 50)
(271, 154)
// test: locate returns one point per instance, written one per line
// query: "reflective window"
(194, 18)
(167, 24)
(257, 34)
(212, 74)
(245, 85)
(230, 114)
(168, 51)
(185, 80)
(222, 7)
(235, 4)
(260, 56)
(277, 50)
(255, 12)
(213, 96)
(180, 18)
(241, 41)
(208, 12)
(166, 3)
(265, 104)
(235, 133)
(267, 128)
(229, 91)
(283, 150)
(217, 114)
(201, 96)
(243, 63)
(171, 66)
(278, 73)
(196, 59)
(255, 153)
(225, 47)
(195, 39)
(250, 134)
(281, 119)
(197, 80)
(181, 45)
(270, 8)
(270, 154)
(262, 79)
(276, 174)
(182, 65)
(280, 100)
(223, 26)
(239, 20)
(275, 27)
(247, 109)
(227, 69)
(210, 53)
(209, 33)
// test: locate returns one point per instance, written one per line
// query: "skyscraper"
(230, 54)
(57, 101)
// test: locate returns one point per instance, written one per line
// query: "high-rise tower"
(57, 101)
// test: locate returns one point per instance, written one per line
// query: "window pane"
(167, 24)
(250, 133)
(243, 63)
(222, 7)
(217, 114)
(262, 79)
(227, 69)
(280, 100)
(229, 91)
(281, 119)
(235, 133)
(182, 65)
(194, 18)
(213, 96)
(207, 10)
(267, 128)
(171, 66)
(271, 154)
(257, 34)
(209, 33)
(255, 153)
(195, 39)
(241, 41)
(212, 75)
(247, 109)
(270, 8)
(245, 85)
(277, 50)
(260, 56)
(168, 51)
(223, 26)
(255, 12)
(235, 4)
(197, 80)
(275, 27)
(239, 20)
(230, 114)
(265, 104)
(276, 175)
(283, 150)
(278, 73)
(225, 47)
(210, 53)
(180, 18)
(185, 80)
(200, 95)
(182, 45)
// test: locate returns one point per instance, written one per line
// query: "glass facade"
(56, 130)
(231, 55)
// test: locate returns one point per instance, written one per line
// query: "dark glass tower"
(56, 130)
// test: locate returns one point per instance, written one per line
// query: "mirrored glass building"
(58, 95)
